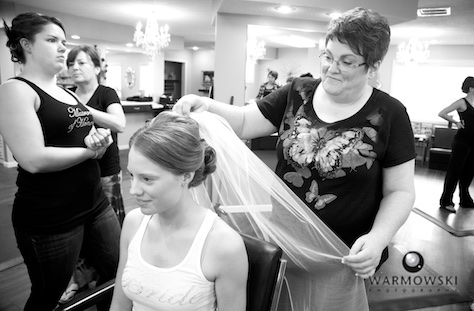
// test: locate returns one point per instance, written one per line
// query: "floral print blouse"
(336, 168)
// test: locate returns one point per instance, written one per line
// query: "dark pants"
(51, 259)
(113, 191)
(460, 169)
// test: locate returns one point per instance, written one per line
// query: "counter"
(131, 106)
(136, 114)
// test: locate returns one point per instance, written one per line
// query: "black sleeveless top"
(467, 133)
(55, 202)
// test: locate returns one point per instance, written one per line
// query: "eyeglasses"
(344, 64)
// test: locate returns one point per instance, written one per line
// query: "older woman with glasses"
(345, 148)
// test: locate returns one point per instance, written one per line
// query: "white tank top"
(182, 287)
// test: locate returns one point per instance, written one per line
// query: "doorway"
(173, 80)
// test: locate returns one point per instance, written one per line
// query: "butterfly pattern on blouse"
(327, 151)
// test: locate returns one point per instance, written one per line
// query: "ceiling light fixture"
(154, 39)
(285, 9)
(75, 37)
(426, 12)
(413, 52)
(334, 15)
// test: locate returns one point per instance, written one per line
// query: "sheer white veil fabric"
(258, 203)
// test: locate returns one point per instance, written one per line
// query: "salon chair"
(440, 151)
(266, 272)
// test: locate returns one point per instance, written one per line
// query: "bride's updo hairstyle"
(26, 25)
(173, 142)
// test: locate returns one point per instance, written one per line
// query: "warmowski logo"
(413, 262)
(426, 280)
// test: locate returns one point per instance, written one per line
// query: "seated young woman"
(174, 253)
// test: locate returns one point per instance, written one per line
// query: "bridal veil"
(258, 203)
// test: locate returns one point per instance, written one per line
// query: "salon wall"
(424, 89)
(427, 88)
(230, 58)
(202, 60)
(288, 62)
(133, 61)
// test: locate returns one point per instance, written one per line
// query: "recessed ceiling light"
(129, 45)
(334, 15)
(76, 37)
(285, 9)
(195, 48)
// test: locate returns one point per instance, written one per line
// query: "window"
(146, 79)
(114, 78)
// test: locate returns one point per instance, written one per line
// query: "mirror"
(130, 77)
(288, 51)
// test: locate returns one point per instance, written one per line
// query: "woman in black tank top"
(60, 209)
(461, 164)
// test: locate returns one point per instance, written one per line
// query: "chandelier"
(413, 52)
(154, 39)
(255, 50)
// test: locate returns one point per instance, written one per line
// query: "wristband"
(95, 156)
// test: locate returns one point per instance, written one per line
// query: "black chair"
(266, 273)
(440, 151)
(265, 280)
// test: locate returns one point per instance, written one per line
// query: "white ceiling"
(193, 20)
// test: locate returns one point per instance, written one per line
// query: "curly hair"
(26, 25)
(366, 32)
(173, 142)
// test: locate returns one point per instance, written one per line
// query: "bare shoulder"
(459, 104)
(16, 88)
(226, 240)
(131, 222)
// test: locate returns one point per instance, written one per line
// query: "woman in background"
(84, 68)
(59, 207)
(461, 164)
(174, 251)
(83, 63)
(269, 86)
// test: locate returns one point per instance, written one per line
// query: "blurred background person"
(308, 74)
(461, 164)
(269, 86)
(103, 102)
(84, 67)
(290, 79)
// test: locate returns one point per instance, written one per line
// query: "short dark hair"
(26, 25)
(173, 142)
(366, 32)
(468, 82)
(273, 73)
(89, 50)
